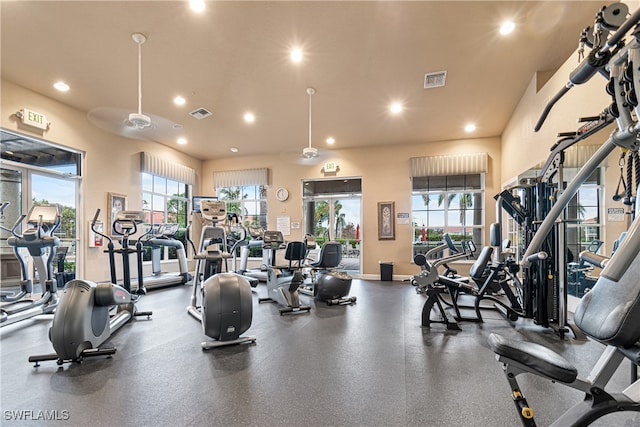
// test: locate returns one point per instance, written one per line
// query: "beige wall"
(523, 148)
(385, 177)
(111, 163)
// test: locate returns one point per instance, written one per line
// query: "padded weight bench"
(610, 314)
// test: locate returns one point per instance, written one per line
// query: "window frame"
(578, 224)
(259, 201)
(149, 208)
(447, 194)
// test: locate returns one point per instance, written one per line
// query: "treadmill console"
(255, 231)
(167, 230)
(273, 238)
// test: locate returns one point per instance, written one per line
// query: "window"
(165, 201)
(35, 172)
(39, 154)
(250, 204)
(583, 215)
(447, 204)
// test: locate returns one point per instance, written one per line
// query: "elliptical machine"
(41, 244)
(82, 321)
(221, 301)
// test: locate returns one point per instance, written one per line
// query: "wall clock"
(282, 194)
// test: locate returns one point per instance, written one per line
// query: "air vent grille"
(437, 79)
(200, 113)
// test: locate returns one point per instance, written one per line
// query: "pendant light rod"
(310, 91)
(139, 38)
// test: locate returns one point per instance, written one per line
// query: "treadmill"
(162, 235)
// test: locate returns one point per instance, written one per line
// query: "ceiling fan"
(310, 154)
(136, 125)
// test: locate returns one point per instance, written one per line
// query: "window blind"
(458, 164)
(243, 177)
(577, 155)
(166, 169)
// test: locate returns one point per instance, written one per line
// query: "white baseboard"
(396, 278)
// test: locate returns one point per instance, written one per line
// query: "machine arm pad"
(107, 294)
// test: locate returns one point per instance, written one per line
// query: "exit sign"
(331, 167)
(35, 119)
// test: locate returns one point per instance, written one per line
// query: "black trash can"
(386, 271)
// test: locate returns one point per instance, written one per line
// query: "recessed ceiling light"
(233, 149)
(182, 141)
(396, 108)
(197, 5)
(507, 27)
(178, 100)
(249, 117)
(470, 127)
(296, 55)
(330, 140)
(61, 86)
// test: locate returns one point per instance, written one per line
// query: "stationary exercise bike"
(327, 283)
(221, 301)
(82, 321)
(283, 281)
(41, 245)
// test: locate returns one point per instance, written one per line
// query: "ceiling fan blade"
(294, 156)
(291, 156)
(136, 125)
(116, 121)
(324, 156)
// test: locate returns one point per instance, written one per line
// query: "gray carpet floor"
(368, 364)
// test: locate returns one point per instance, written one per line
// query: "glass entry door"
(54, 189)
(24, 188)
(334, 219)
(11, 190)
(331, 216)
(35, 172)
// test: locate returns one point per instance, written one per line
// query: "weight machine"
(609, 313)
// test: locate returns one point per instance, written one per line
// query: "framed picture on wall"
(386, 225)
(116, 202)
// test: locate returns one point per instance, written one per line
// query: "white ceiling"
(359, 56)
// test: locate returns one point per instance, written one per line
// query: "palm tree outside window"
(447, 204)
